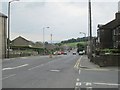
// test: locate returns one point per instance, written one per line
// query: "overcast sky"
(66, 18)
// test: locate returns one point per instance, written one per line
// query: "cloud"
(65, 18)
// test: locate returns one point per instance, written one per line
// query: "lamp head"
(13, 0)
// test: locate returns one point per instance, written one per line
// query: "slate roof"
(2, 15)
(112, 24)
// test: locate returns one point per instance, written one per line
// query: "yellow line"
(77, 63)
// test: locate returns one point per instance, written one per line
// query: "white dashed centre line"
(36, 67)
(9, 68)
(8, 76)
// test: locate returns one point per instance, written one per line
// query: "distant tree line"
(75, 40)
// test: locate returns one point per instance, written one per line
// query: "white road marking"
(6, 69)
(88, 84)
(15, 67)
(78, 79)
(79, 71)
(78, 84)
(8, 76)
(101, 83)
(55, 70)
(36, 67)
(97, 69)
(41, 65)
(110, 84)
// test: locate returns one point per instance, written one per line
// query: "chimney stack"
(118, 16)
(118, 13)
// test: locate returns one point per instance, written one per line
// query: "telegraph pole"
(90, 20)
(51, 38)
(90, 30)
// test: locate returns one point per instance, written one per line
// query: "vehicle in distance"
(65, 53)
(60, 53)
(57, 53)
(74, 53)
(81, 52)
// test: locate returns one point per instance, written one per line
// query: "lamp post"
(8, 44)
(83, 33)
(85, 37)
(51, 38)
(44, 38)
(51, 46)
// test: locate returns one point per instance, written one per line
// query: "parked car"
(59, 53)
(55, 53)
(62, 52)
(81, 52)
(74, 53)
(65, 53)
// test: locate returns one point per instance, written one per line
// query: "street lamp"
(51, 35)
(83, 33)
(44, 38)
(8, 46)
(85, 37)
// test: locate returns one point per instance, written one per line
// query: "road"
(62, 71)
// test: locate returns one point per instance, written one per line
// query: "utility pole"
(9, 18)
(51, 46)
(90, 30)
(90, 20)
(8, 40)
(51, 38)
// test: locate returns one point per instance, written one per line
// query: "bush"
(111, 51)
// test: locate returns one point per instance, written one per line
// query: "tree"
(46, 43)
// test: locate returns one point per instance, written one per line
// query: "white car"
(74, 53)
(81, 52)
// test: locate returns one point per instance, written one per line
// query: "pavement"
(92, 76)
(85, 63)
(62, 71)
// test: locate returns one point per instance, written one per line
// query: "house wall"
(116, 37)
(105, 38)
(3, 36)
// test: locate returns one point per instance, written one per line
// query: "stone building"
(3, 35)
(109, 34)
(20, 41)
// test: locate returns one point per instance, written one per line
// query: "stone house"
(3, 35)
